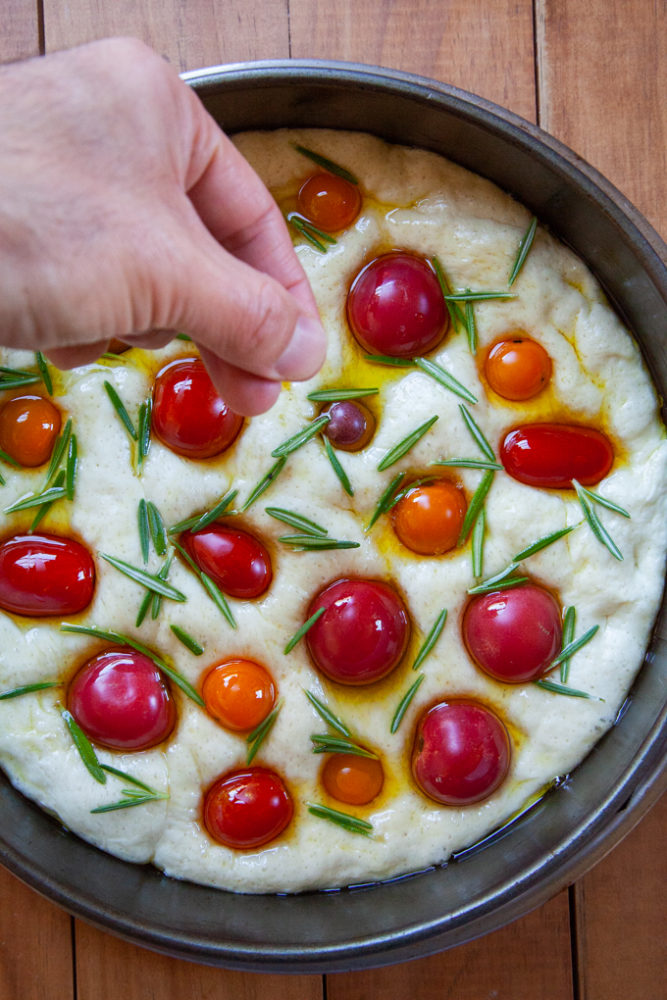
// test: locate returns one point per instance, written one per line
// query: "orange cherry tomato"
(517, 368)
(29, 426)
(429, 518)
(239, 694)
(330, 202)
(352, 779)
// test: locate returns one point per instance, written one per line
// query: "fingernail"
(305, 352)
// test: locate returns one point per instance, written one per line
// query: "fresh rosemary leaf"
(118, 638)
(295, 520)
(336, 395)
(210, 586)
(431, 639)
(444, 378)
(470, 296)
(299, 634)
(127, 777)
(150, 581)
(143, 608)
(572, 647)
(402, 493)
(15, 378)
(316, 543)
(70, 469)
(130, 801)
(342, 475)
(265, 482)
(476, 433)
(309, 229)
(58, 452)
(350, 823)
(28, 689)
(524, 248)
(144, 529)
(325, 743)
(2, 480)
(44, 508)
(84, 747)
(595, 524)
(203, 520)
(301, 438)
(326, 163)
(389, 361)
(569, 622)
(306, 231)
(144, 430)
(478, 535)
(258, 735)
(603, 502)
(475, 505)
(156, 605)
(187, 640)
(471, 326)
(37, 499)
(122, 413)
(182, 336)
(561, 689)
(542, 543)
(501, 581)
(453, 308)
(403, 447)
(327, 715)
(470, 463)
(385, 502)
(9, 460)
(157, 529)
(44, 372)
(404, 703)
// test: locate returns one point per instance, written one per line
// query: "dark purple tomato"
(461, 753)
(44, 575)
(121, 700)
(363, 632)
(234, 559)
(395, 306)
(351, 426)
(248, 808)
(513, 635)
(552, 455)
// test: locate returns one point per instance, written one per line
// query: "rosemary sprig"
(126, 777)
(71, 467)
(326, 743)
(453, 308)
(144, 430)
(144, 529)
(389, 361)
(9, 460)
(327, 715)
(151, 581)
(569, 623)
(471, 326)
(556, 688)
(44, 372)
(295, 520)
(16, 378)
(443, 377)
(500, 581)
(524, 248)
(350, 823)
(404, 703)
(188, 641)
(44, 508)
(151, 599)
(338, 395)
(258, 735)
(299, 634)
(603, 501)
(543, 542)
(340, 472)
(37, 499)
(200, 521)
(132, 799)
(84, 747)
(210, 586)
(58, 452)
(594, 522)
(265, 482)
(476, 433)
(316, 543)
(475, 506)
(478, 536)
(29, 689)
(119, 639)
(470, 463)
(479, 296)
(386, 499)
(572, 647)
(301, 437)
(326, 163)
(157, 529)
(121, 412)
(403, 447)
(431, 639)
(316, 237)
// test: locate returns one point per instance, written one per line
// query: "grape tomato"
(239, 693)
(517, 368)
(351, 425)
(329, 201)
(45, 575)
(189, 416)
(29, 426)
(236, 561)
(552, 455)
(247, 808)
(429, 517)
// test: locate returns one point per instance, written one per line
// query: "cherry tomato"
(352, 779)
(395, 306)
(189, 416)
(429, 518)
(248, 808)
(363, 632)
(43, 575)
(517, 368)
(29, 426)
(513, 635)
(239, 693)
(330, 202)
(234, 559)
(121, 700)
(351, 426)
(461, 752)
(552, 455)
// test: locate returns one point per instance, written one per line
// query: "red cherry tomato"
(330, 202)
(552, 455)
(351, 426)
(352, 779)
(235, 560)
(189, 416)
(246, 809)
(43, 575)
(517, 368)
(29, 426)
(513, 635)
(120, 700)
(395, 306)
(239, 693)
(461, 753)
(429, 518)
(362, 634)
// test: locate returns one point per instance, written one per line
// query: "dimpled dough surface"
(416, 201)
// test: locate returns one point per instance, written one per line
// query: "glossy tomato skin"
(395, 306)
(352, 779)
(330, 202)
(517, 368)
(239, 693)
(29, 426)
(248, 808)
(429, 518)
(45, 575)
(363, 632)
(461, 752)
(121, 701)
(234, 559)
(189, 416)
(513, 635)
(552, 455)
(351, 425)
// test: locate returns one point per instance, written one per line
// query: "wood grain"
(603, 80)
(19, 35)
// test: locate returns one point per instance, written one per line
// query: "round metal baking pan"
(570, 829)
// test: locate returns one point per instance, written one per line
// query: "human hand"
(126, 213)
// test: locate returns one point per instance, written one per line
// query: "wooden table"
(589, 72)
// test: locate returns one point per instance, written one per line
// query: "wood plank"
(620, 916)
(108, 967)
(35, 945)
(602, 84)
(190, 35)
(485, 46)
(19, 37)
(528, 959)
